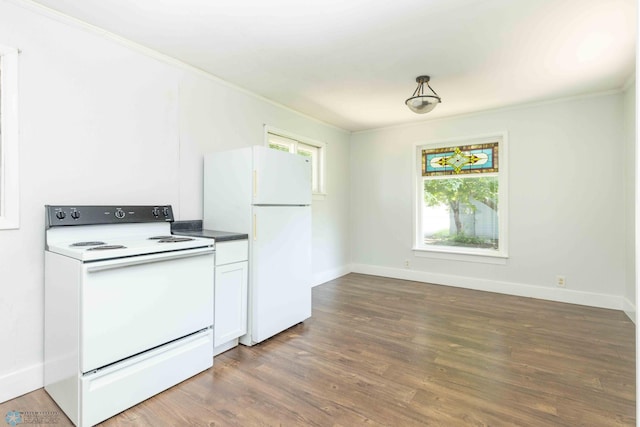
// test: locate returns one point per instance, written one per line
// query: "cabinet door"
(230, 302)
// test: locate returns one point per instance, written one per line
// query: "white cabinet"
(231, 285)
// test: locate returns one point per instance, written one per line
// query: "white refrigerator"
(266, 194)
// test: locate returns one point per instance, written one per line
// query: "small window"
(314, 150)
(8, 138)
(461, 197)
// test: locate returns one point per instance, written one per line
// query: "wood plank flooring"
(385, 352)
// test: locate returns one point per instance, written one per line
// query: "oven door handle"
(146, 259)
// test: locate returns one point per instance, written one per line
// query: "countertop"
(194, 228)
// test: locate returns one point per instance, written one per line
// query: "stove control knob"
(75, 214)
(155, 212)
(165, 211)
(61, 215)
(119, 214)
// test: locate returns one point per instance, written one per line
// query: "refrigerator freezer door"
(280, 178)
(280, 294)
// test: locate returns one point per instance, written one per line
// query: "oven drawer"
(134, 304)
(120, 386)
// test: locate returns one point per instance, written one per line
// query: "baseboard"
(21, 382)
(327, 275)
(518, 289)
(629, 309)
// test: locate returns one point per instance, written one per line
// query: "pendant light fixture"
(419, 102)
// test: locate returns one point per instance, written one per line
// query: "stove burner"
(175, 239)
(160, 237)
(87, 244)
(107, 247)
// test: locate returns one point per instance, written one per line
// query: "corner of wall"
(328, 275)
(629, 309)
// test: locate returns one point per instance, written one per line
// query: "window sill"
(9, 223)
(462, 254)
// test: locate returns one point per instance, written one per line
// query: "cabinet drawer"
(233, 251)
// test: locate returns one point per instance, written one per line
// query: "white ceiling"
(352, 63)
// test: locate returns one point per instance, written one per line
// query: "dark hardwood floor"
(387, 352)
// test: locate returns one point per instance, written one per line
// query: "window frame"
(456, 252)
(9, 133)
(322, 154)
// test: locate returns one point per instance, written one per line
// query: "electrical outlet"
(407, 263)
(561, 281)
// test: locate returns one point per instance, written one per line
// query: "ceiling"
(352, 63)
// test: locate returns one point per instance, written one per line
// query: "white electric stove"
(128, 307)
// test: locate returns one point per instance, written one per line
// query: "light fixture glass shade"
(419, 102)
(422, 104)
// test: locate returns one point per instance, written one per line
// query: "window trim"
(461, 253)
(9, 148)
(322, 149)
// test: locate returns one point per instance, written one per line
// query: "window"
(8, 138)
(461, 197)
(314, 150)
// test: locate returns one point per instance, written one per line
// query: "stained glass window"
(466, 159)
(461, 194)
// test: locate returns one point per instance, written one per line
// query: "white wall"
(102, 123)
(566, 201)
(630, 203)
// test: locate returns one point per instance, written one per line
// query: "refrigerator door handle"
(255, 226)
(255, 184)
